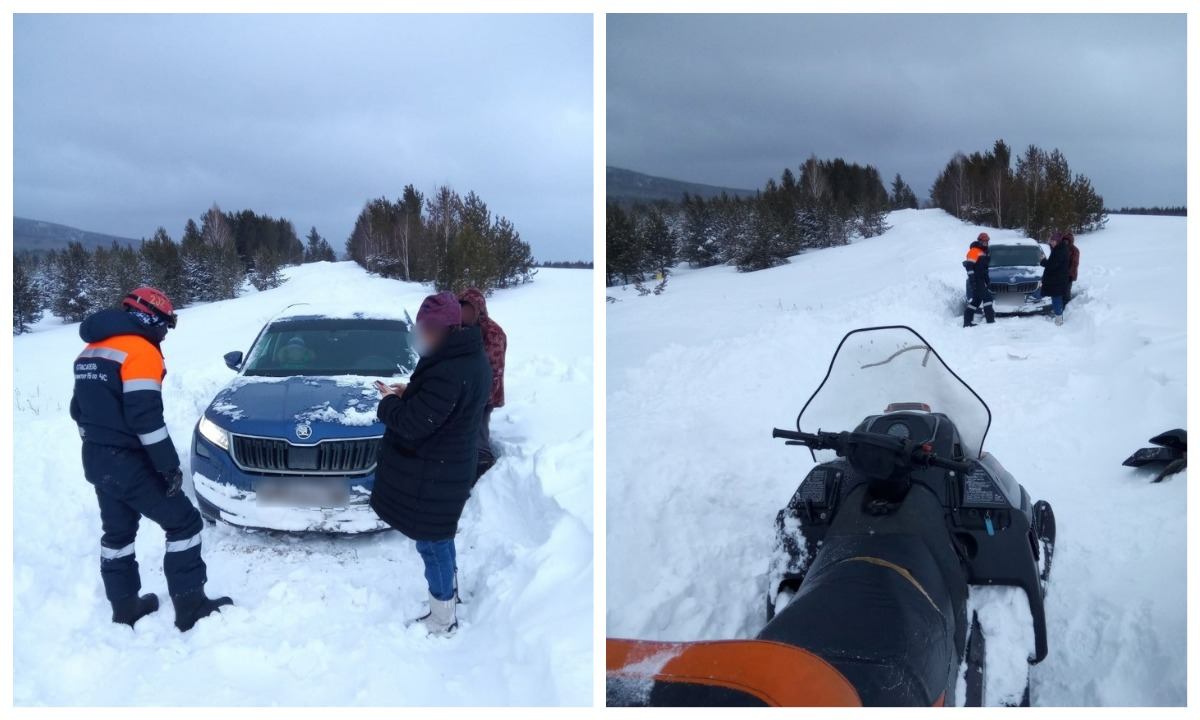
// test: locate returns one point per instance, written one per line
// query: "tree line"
(1177, 211)
(1038, 195)
(826, 204)
(449, 240)
(569, 264)
(212, 261)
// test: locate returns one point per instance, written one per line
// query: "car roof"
(316, 311)
(1016, 242)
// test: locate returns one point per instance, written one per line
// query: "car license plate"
(301, 492)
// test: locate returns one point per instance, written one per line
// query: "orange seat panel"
(774, 673)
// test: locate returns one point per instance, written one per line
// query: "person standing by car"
(429, 450)
(1056, 280)
(129, 458)
(979, 280)
(1072, 266)
(495, 344)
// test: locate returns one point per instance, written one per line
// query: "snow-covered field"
(320, 621)
(698, 376)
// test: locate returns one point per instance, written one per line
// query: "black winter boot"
(968, 316)
(990, 313)
(128, 611)
(192, 607)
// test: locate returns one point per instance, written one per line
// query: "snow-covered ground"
(698, 376)
(320, 621)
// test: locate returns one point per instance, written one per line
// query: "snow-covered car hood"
(338, 407)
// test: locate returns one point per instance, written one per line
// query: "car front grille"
(1025, 287)
(331, 457)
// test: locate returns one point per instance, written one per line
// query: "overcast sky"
(125, 123)
(733, 99)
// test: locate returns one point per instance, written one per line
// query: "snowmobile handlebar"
(816, 441)
(837, 442)
(922, 457)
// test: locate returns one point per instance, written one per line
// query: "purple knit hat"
(440, 310)
(1057, 237)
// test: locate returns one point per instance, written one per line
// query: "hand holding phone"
(383, 388)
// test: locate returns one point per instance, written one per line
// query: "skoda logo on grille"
(303, 431)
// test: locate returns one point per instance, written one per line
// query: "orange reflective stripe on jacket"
(973, 254)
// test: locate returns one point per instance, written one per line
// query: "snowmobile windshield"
(884, 369)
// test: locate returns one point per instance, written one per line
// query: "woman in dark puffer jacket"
(429, 451)
(1056, 279)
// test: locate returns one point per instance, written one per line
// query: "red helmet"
(154, 302)
(983, 237)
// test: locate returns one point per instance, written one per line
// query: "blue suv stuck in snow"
(1015, 272)
(290, 444)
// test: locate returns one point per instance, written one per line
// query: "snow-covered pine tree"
(27, 292)
(73, 280)
(658, 243)
(624, 255)
(227, 270)
(696, 241)
(163, 267)
(318, 248)
(265, 274)
(198, 267)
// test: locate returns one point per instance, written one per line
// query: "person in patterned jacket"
(130, 460)
(495, 344)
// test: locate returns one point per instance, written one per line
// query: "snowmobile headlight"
(214, 433)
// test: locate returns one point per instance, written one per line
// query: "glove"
(174, 480)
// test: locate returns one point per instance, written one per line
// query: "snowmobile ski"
(1175, 439)
(1151, 455)
(1171, 450)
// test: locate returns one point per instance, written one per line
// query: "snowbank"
(699, 375)
(320, 621)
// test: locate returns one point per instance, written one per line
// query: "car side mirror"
(233, 360)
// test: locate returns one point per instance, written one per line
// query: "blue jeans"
(441, 562)
(1056, 301)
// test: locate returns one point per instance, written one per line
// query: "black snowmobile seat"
(881, 614)
(724, 673)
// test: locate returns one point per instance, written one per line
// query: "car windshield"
(329, 346)
(873, 368)
(1014, 255)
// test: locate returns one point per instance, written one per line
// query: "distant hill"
(628, 188)
(40, 237)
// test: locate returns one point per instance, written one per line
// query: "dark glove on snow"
(174, 479)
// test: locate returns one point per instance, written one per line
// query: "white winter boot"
(441, 620)
(1058, 319)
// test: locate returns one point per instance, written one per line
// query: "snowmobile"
(876, 553)
(1170, 452)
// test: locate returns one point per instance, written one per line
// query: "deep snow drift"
(699, 375)
(320, 620)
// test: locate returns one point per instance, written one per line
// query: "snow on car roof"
(347, 312)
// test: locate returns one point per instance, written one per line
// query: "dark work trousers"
(127, 488)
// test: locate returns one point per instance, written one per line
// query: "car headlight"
(214, 433)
